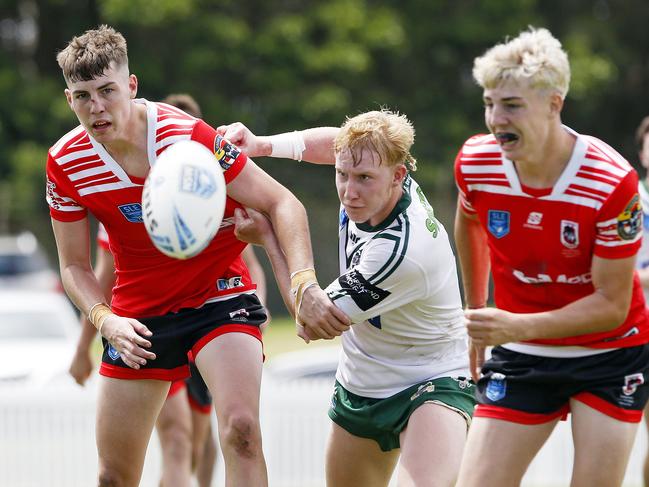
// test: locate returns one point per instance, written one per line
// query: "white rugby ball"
(183, 199)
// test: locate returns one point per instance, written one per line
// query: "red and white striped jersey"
(542, 242)
(82, 176)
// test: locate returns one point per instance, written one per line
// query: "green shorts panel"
(382, 420)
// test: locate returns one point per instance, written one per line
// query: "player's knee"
(242, 435)
(110, 478)
(177, 443)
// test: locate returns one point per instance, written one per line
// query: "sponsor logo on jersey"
(422, 389)
(534, 220)
(629, 222)
(53, 197)
(431, 221)
(112, 353)
(496, 387)
(195, 180)
(239, 315)
(132, 212)
(631, 383)
(225, 152)
(498, 222)
(363, 293)
(546, 278)
(223, 284)
(570, 234)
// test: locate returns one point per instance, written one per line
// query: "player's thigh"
(602, 446)
(174, 422)
(432, 446)
(352, 461)
(498, 452)
(126, 413)
(231, 365)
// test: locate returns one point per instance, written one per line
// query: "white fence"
(47, 440)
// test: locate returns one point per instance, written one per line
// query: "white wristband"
(287, 146)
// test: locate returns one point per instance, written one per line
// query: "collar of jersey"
(401, 206)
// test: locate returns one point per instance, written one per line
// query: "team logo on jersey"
(496, 387)
(198, 181)
(629, 222)
(132, 212)
(569, 234)
(498, 223)
(225, 152)
(631, 383)
(112, 353)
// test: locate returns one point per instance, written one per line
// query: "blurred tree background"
(290, 64)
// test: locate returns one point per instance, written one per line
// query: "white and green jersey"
(399, 287)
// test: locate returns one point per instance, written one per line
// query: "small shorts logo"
(112, 353)
(631, 383)
(427, 387)
(239, 315)
(496, 387)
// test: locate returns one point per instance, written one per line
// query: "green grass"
(280, 337)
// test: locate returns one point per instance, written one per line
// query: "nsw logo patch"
(112, 353)
(132, 212)
(496, 387)
(498, 223)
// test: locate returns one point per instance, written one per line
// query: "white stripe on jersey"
(90, 172)
(56, 148)
(172, 140)
(493, 188)
(98, 188)
(471, 169)
(79, 154)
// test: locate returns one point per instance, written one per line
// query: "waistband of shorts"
(555, 351)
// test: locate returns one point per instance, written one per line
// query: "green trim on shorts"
(383, 420)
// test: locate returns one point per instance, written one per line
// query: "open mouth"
(506, 137)
(100, 125)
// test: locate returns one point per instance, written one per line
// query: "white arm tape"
(287, 146)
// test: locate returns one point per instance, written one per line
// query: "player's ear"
(400, 172)
(132, 85)
(68, 97)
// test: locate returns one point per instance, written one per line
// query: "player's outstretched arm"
(81, 365)
(255, 228)
(313, 145)
(81, 285)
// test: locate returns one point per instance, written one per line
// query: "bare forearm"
(82, 287)
(591, 314)
(280, 270)
(291, 228)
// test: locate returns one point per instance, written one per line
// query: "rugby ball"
(183, 199)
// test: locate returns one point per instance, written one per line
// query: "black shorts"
(529, 389)
(176, 334)
(198, 394)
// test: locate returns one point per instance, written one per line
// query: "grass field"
(280, 337)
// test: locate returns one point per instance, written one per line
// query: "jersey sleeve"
(61, 198)
(383, 280)
(619, 222)
(229, 156)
